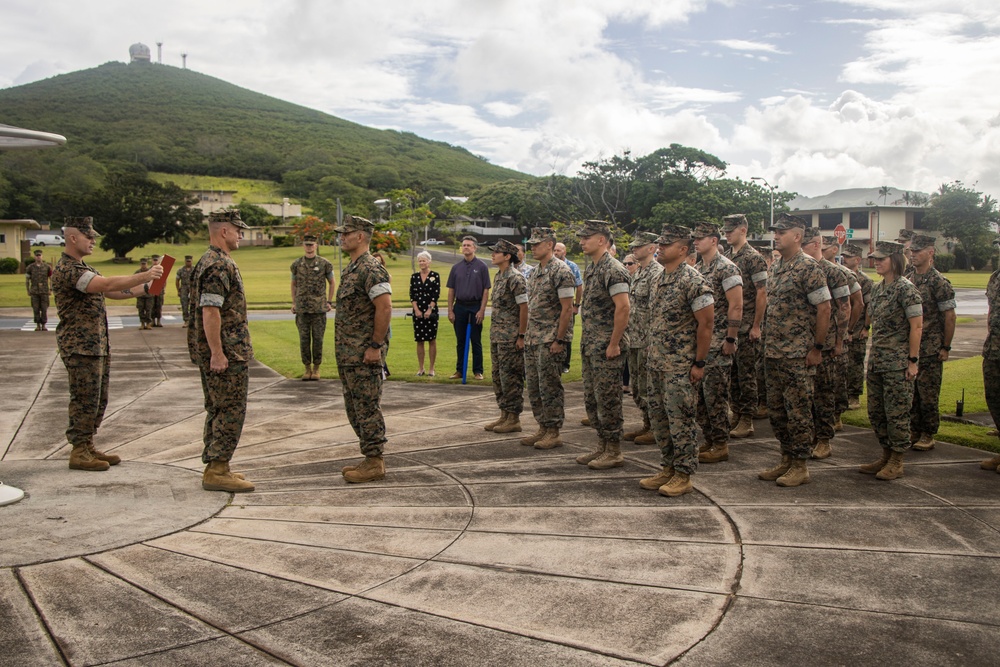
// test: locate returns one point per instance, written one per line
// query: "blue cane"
(465, 356)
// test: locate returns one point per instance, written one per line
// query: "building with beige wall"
(14, 237)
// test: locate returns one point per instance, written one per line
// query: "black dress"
(424, 292)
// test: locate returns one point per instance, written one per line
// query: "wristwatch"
(698, 363)
(375, 346)
(913, 360)
(520, 335)
(819, 346)
(946, 348)
(730, 339)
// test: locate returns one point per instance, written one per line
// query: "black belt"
(469, 302)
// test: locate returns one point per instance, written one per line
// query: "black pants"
(465, 314)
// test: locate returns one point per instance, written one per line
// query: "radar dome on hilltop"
(139, 53)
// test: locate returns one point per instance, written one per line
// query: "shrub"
(9, 265)
(944, 262)
(284, 241)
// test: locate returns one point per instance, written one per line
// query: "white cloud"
(746, 45)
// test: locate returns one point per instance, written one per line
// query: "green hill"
(181, 122)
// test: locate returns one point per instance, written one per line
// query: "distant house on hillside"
(863, 214)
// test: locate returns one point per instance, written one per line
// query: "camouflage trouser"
(639, 378)
(761, 376)
(508, 376)
(543, 374)
(185, 311)
(743, 386)
(825, 397)
(144, 304)
(856, 368)
(789, 404)
(40, 308)
(713, 399)
(362, 387)
(991, 384)
(88, 395)
(157, 306)
(672, 400)
(602, 393)
(312, 328)
(225, 410)
(890, 396)
(842, 363)
(924, 414)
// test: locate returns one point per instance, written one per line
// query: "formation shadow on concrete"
(474, 550)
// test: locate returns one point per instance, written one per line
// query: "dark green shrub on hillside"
(944, 262)
(9, 265)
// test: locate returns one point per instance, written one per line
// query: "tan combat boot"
(875, 466)
(822, 450)
(585, 421)
(715, 454)
(774, 473)
(925, 443)
(370, 470)
(761, 412)
(797, 474)
(307, 374)
(838, 425)
(81, 458)
(110, 459)
(632, 435)
(530, 440)
(659, 479)
(584, 459)
(611, 458)
(550, 440)
(991, 464)
(511, 425)
(892, 469)
(678, 485)
(744, 428)
(704, 447)
(647, 438)
(496, 422)
(217, 477)
(315, 373)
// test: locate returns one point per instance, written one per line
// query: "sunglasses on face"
(629, 263)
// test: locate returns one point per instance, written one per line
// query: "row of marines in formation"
(727, 331)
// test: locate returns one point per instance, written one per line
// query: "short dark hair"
(470, 238)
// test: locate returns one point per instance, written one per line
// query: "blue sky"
(814, 96)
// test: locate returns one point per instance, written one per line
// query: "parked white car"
(432, 242)
(48, 239)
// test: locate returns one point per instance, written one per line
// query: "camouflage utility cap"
(734, 221)
(673, 233)
(155, 257)
(353, 223)
(504, 246)
(309, 239)
(905, 235)
(885, 249)
(830, 241)
(788, 221)
(852, 250)
(592, 227)
(37, 253)
(84, 225)
(921, 242)
(230, 215)
(642, 239)
(539, 234)
(188, 256)
(809, 234)
(704, 230)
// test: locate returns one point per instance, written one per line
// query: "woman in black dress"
(425, 289)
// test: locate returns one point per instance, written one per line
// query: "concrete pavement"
(474, 550)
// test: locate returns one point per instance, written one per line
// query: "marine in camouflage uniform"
(156, 307)
(144, 302)
(217, 295)
(894, 308)
(551, 287)
(508, 324)
(938, 300)
(680, 332)
(853, 311)
(858, 348)
(644, 283)
(312, 292)
(796, 322)
(723, 276)
(749, 351)
(604, 314)
(36, 279)
(991, 353)
(82, 339)
(182, 281)
(364, 308)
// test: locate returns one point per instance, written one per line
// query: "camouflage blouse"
(603, 281)
(184, 275)
(840, 289)
(36, 278)
(938, 297)
(509, 291)
(83, 321)
(673, 328)
(546, 286)
(890, 310)
(722, 275)
(991, 346)
(310, 276)
(866, 284)
(361, 282)
(753, 270)
(644, 283)
(794, 288)
(217, 283)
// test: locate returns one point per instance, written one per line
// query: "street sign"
(841, 233)
(850, 233)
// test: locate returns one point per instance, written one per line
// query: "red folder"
(157, 287)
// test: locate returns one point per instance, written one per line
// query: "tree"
(310, 225)
(526, 202)
(884, 193)
(964, 214)
(255, 216)
(408, 216)
(131, 211)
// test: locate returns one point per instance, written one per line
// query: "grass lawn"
(252, 190)
(960, 374)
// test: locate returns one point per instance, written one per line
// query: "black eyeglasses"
(629, 263)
